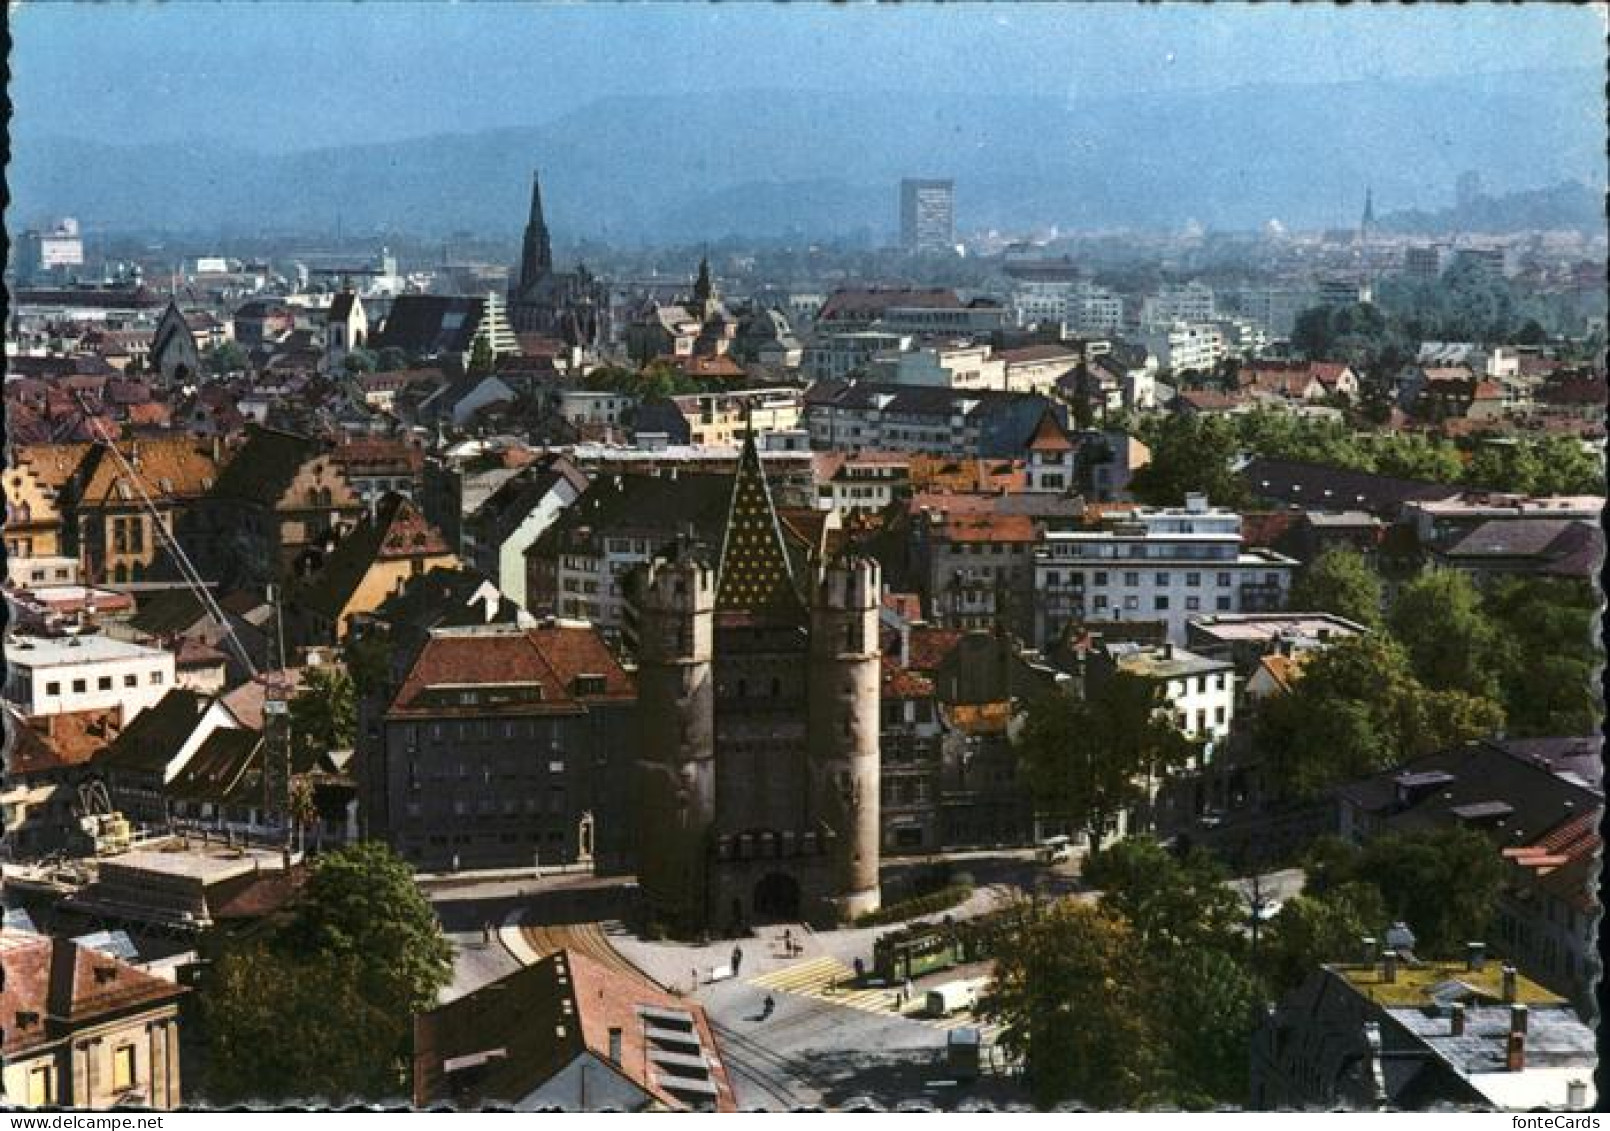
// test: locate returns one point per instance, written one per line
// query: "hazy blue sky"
(281, 76)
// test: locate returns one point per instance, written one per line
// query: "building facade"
(927, 216)
(758, 788)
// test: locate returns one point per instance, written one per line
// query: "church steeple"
(536, 260)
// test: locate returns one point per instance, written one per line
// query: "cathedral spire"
(755, 577)
(536, 259)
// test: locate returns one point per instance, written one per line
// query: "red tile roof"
(930, 646)
(988, 528)
(50, 742)
(550, 657)
(1049, 436)
(59, 983)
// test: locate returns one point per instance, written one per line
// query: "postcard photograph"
(746, 558)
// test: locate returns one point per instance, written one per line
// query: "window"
(131, 680)
(1160, 603)
(1101, 577)
(1131, 579)
(1100, 602)
(156, 679)
(78, 687)
(1193, 579)
(1131, 602)
(1162, 579)
(1224, 604)
(53, 688)
(1224, 582)
(122, 1068)
(1192, 604)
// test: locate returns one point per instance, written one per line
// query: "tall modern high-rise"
(927, 216)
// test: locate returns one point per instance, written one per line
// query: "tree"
(1075, 1006)
(1341, 582)
(1452, 645)
(1091, 759)
(227, 357)
(1319, 927)
(1442, 882)
(1550, 651)
(281, 1028)
(392, 358)
(1207, 1008)
(324, 714)
(368, 661)
(1357, 709)
(482, 359)
(359, 360)
(361, 905)
(1174, 905)
(1190, 454)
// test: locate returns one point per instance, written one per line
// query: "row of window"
(103, 683)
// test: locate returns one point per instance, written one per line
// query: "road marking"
(817, 978)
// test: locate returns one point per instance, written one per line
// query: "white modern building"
(49, 675)
(1186, 346)
(1155, 564)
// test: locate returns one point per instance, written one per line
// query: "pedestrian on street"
(695, 980)
(737, 959)
(907, 989)
(765, 1010)
(788, 942)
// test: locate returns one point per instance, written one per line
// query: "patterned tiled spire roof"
(755, 577)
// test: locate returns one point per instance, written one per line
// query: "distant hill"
(1568, 205)
(771, 162)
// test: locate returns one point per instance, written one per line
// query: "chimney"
(1576, 1094)
(1515, 1054)
(1389, 966)
(1457, 1019)
(614, 1045)
(1368, 944)
(1509, 983)
(1475, 956)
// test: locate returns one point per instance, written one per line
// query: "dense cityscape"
(958, 665)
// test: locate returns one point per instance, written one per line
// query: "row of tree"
(1196, 453)
(1447, 661)
(1148, 997)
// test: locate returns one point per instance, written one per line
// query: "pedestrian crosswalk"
(829, 980)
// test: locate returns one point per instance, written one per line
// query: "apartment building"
(1160, 564)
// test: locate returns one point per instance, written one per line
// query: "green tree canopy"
(1173, 904)
(482, 359)
(227, 357)
(1340, 582)
(281, 1028)
(392, 358)
(1451, 644)
(1443, 882)
(361, 905)
(1548, 630)
(324, 714)
(1357, 709)
(1076, 1007)
(1189, 454)
(1315, 928)
(359, 360)
(1091, 759)
(323, 1005)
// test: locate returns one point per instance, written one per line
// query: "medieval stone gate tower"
(758, 711)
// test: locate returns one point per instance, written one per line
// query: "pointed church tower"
(536, 259)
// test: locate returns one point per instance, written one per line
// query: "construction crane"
(187, 568)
